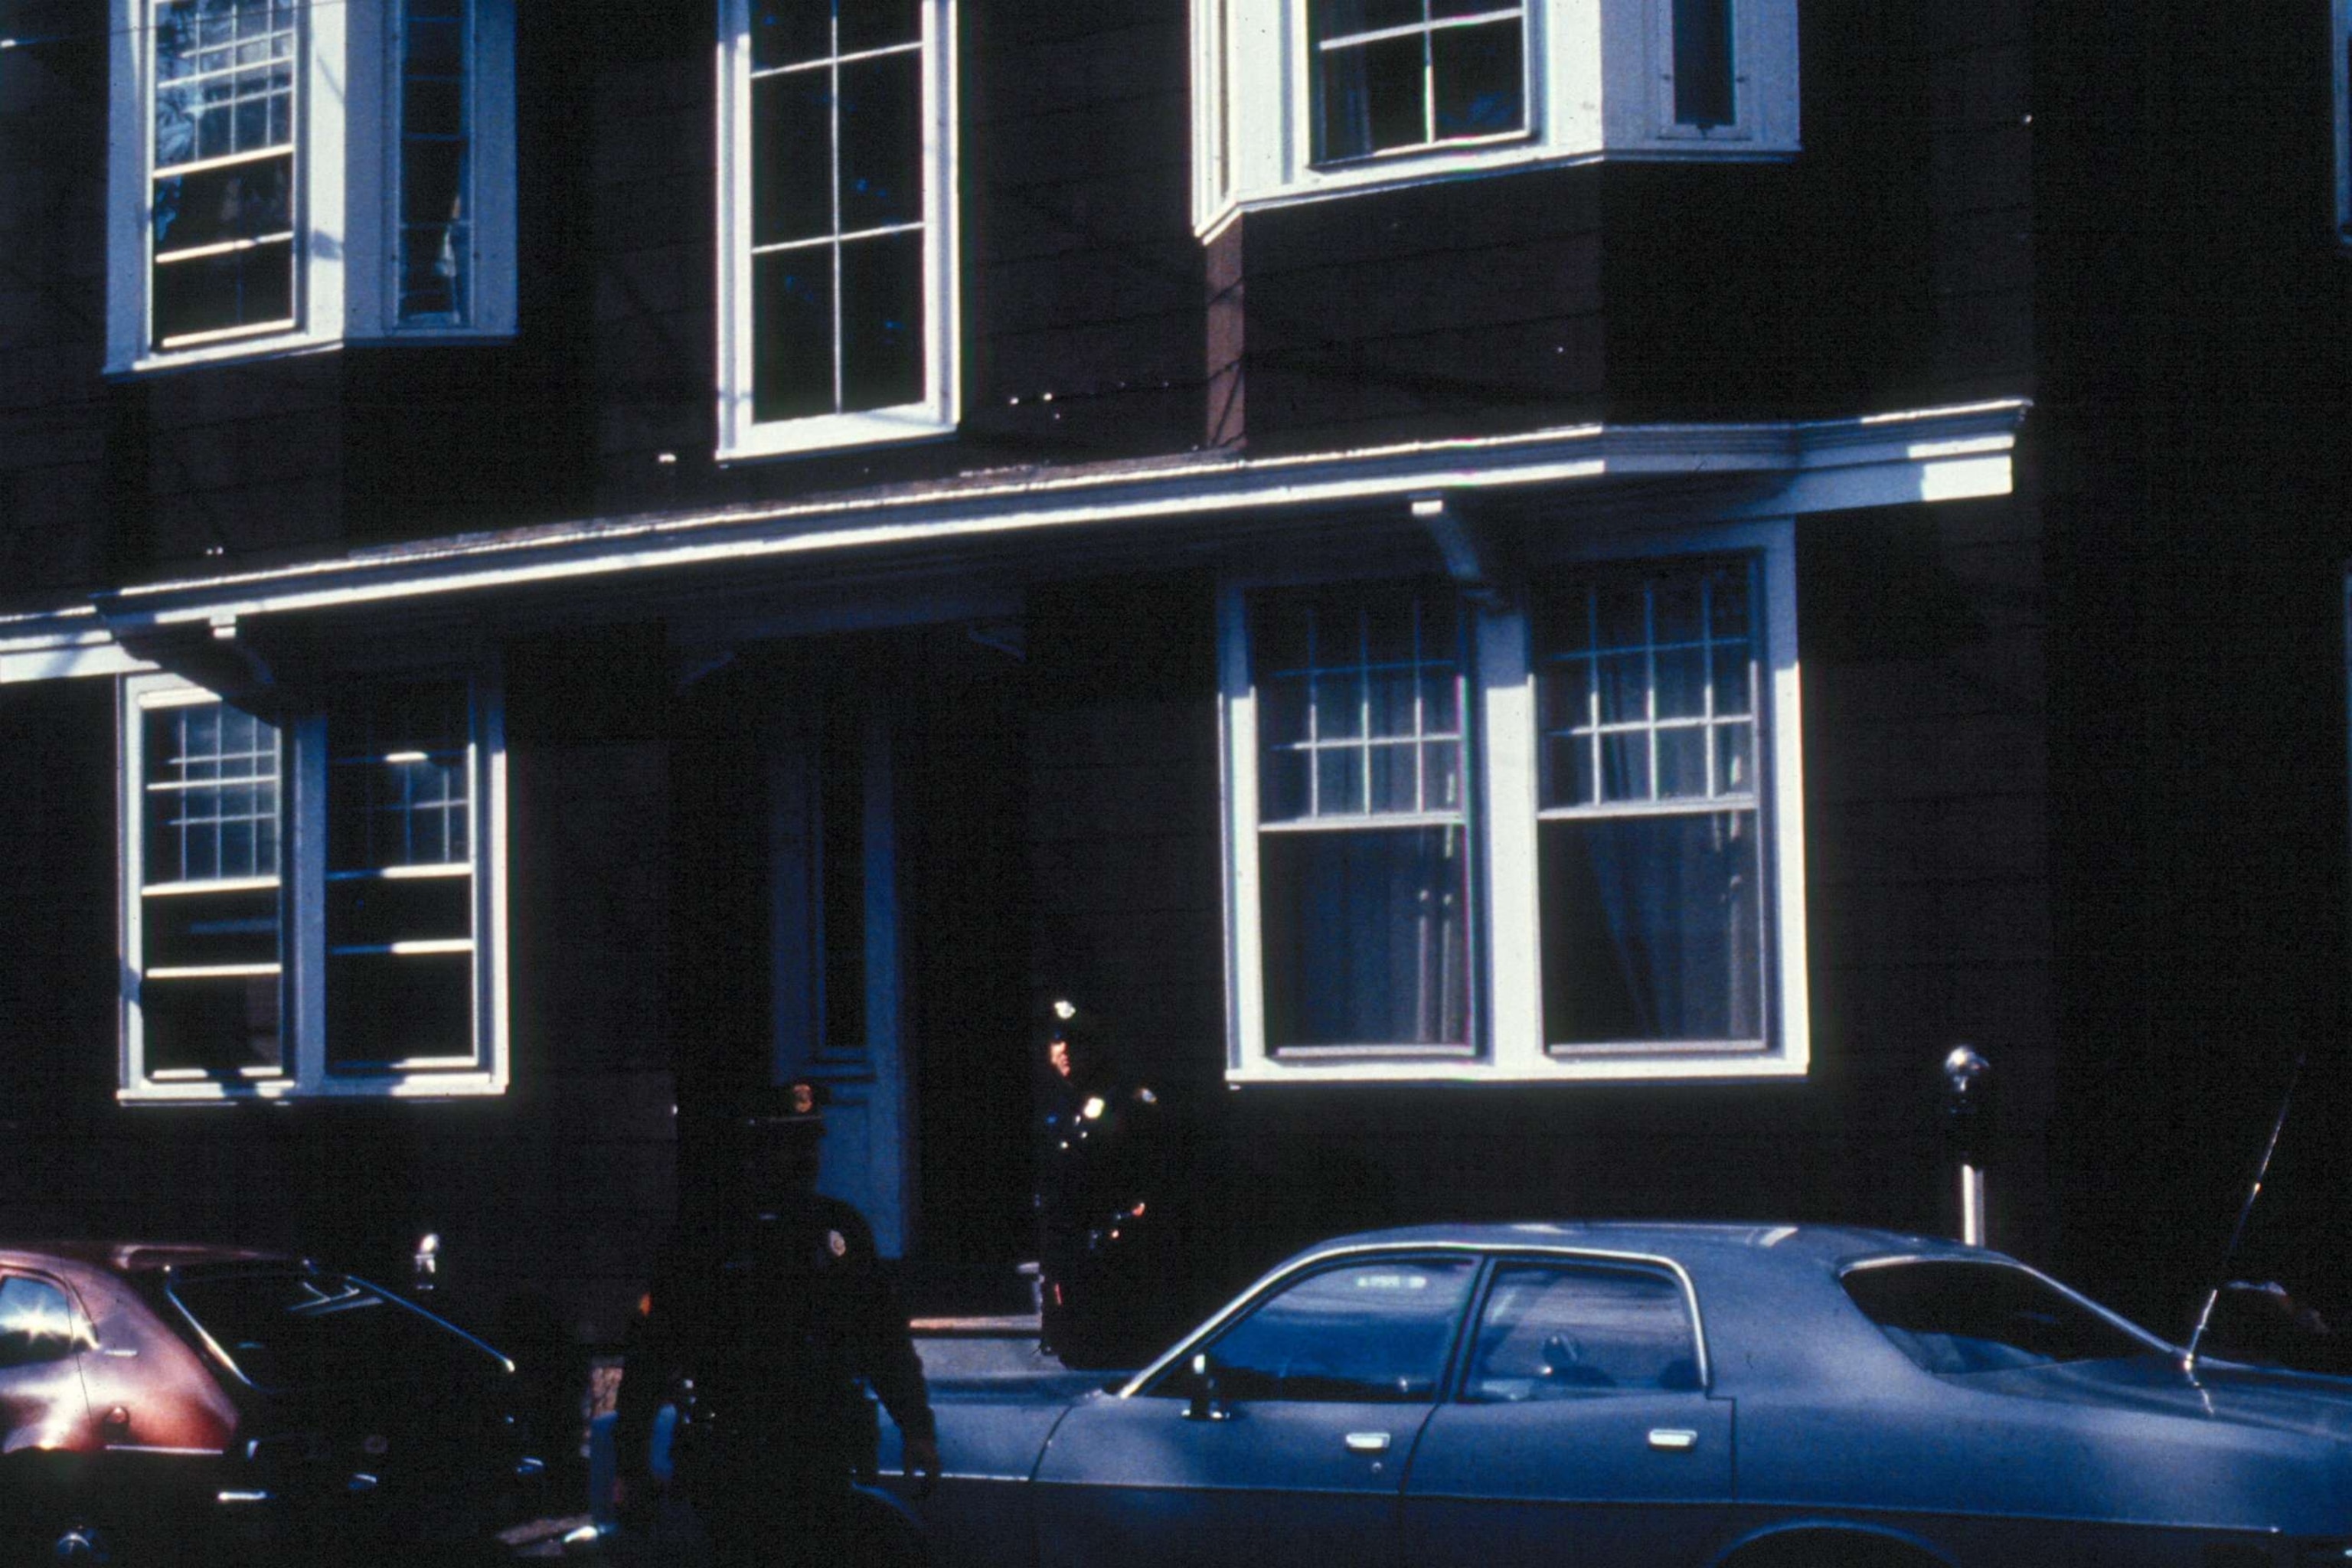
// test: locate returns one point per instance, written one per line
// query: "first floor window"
(837, 172)
(1556, 838)
(311, 897)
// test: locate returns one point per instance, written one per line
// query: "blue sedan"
(1762, 1397)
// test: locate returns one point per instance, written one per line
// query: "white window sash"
(935, 415)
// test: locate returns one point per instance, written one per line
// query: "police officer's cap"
(781, 1107)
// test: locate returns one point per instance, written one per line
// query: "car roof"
(1683, 1241)
(134, 1257)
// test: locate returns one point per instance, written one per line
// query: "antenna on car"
(2245, 1210)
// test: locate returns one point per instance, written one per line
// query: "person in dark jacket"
(765, 1326)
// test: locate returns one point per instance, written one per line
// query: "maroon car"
(205, 1404)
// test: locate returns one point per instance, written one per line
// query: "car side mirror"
(1205, 1404)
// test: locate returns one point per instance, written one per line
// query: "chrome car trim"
(160, 1448)
(1481, 1250)
(241, 1497)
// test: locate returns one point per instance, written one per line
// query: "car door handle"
(1673, 1438)
(1368, 1442)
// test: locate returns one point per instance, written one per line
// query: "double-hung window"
(287, 174)
(1301, 97)
(838, 321)
(313, 908)
(1554, 835)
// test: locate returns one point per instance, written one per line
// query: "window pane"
(1653, 929)
(1959, 1317)
(383, 1008)
(786, 32)
(397, 785)
(215, 1025)
(309, 1330)
(1365, 938)
(210, 930)
(791, 157)
(1682, 763)
(225, 289)
(1477, 77)
(242, 201)
(1344, 18)
(36, 1322)
(379, 911)
(1339, 781)
(1339, 707)
(1703, 72)
(881, 322)
(1569, 1333)
(1375, 1332)
(792, 318)
(878, 24)
(1678, 653)
(881, 142)
(1372, 97)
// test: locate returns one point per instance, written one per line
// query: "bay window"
(313, 908)
(1296, 101)
(289, 173)
(1555, 835)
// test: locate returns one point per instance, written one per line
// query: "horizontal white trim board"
(1920, 455)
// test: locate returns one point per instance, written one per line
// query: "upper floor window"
(313, 908)
(1296, 100)
(1391, 74)
(1556, 838)
(289, 172)
(838, 321)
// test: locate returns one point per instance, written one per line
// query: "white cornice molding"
(1789, 467)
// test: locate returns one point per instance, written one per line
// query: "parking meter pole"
(1968, 1126)
(1972, 1201)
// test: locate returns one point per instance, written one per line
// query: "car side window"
(36, 1323)
(1954, 1317)
(1374, 1332)
(1566, 1332)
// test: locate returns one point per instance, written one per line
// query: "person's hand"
(922, 1464)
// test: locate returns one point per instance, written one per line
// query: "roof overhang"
(1775, 468)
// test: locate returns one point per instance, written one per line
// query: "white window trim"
(1505, 938)
(345, 187)
(302, 860)
(1598, 87)
(935, 415)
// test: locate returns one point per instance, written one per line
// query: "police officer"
(1095, 1180)
(773, 1314)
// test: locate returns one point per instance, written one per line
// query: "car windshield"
(296, 1330)
(1954, 1317)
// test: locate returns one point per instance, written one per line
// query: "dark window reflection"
(37, 1324)
(1703, 63)
(1374, 1332)
(791, 352)
(881, 142)
(881, 322)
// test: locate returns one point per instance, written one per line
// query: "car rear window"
(1954, 1317)
(296, 1330)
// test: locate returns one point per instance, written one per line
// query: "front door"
(834, 910)
(1289, 1447)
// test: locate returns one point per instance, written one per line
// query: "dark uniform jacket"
(776, 1322)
